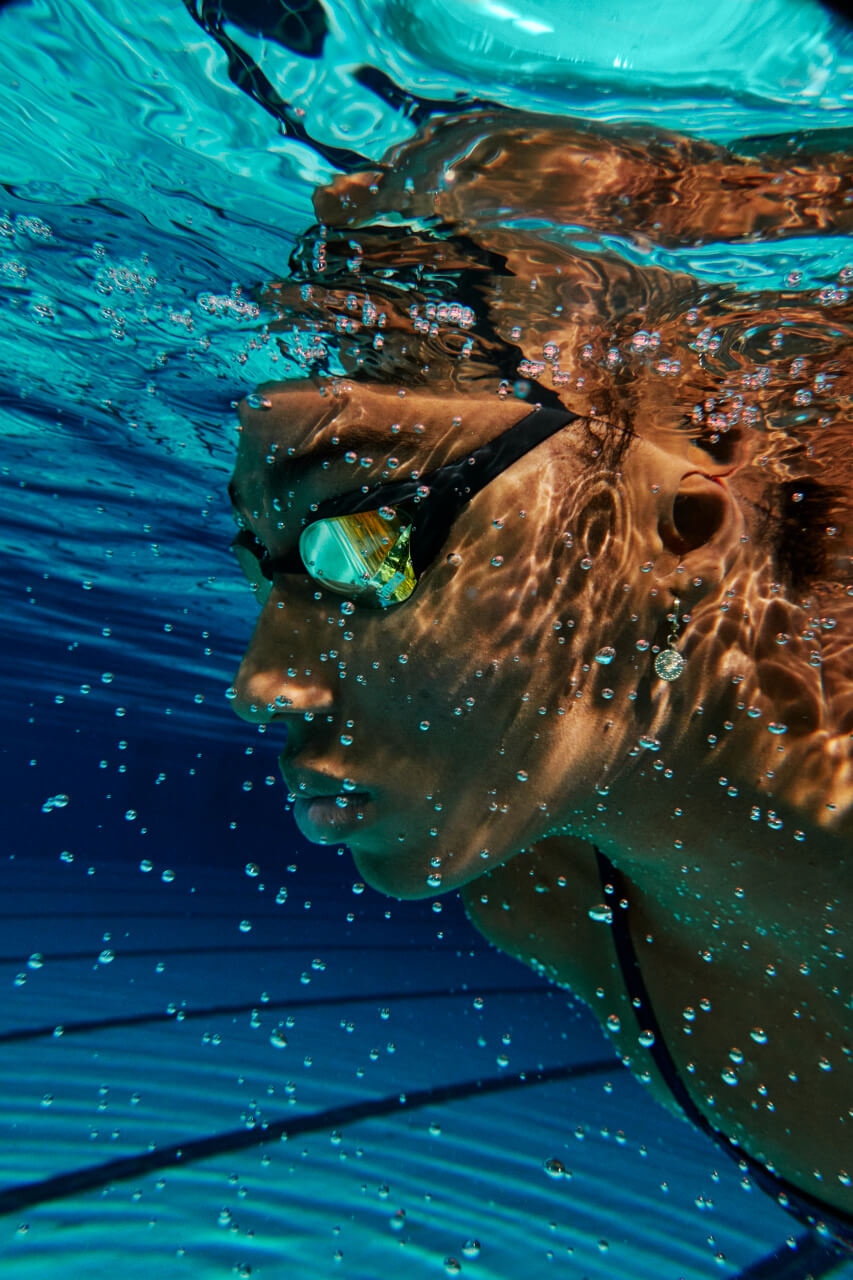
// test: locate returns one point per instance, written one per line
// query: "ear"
(695, 514)
(700, 524)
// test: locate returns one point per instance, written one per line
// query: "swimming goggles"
(373, 547)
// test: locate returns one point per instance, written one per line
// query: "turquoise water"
(146, 197)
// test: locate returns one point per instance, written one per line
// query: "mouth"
(324, 808)
(325, 818)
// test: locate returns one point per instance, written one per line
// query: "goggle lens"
(365, 555)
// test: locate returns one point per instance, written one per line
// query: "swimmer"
(557, 597)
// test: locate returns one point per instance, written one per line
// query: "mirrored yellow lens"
(364, 555)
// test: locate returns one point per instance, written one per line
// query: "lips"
(324, 810)
(324, 818)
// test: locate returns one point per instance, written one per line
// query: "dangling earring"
(669, 663)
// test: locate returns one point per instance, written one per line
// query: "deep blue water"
(145, 198)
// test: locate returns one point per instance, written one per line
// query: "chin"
(395, 874)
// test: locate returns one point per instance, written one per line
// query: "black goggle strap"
(435, 499)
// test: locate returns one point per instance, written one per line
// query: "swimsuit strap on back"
(808, 1209)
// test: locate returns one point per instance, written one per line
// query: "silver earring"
(669, 663)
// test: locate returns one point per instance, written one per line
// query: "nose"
(274, 680)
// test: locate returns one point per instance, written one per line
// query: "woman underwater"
(558, 595)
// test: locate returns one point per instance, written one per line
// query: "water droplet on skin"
(601, 914)
(605, 656)
(554, 1168)
(278, 1039)
(106, 957)
(646, 1039)
(471, 1249)
(613, 1023)
(759, 1035)
(521, 775)
(245, 926)
(777, 727)
(649, 743)
(257, 401)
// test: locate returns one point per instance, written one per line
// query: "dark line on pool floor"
(811, 1259)
(239, 949)
(296, 1002)
(27, 1195)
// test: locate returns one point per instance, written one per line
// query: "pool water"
(221, 1054)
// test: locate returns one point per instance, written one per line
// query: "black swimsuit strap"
(808, 1209)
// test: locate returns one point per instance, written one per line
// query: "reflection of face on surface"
(469, 721)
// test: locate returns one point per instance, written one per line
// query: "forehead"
(301, 433)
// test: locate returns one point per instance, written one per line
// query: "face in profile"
(424, 635)
(459, 610)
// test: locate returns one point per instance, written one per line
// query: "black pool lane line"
(28, 1195)
(812, 1259)
(379, 998)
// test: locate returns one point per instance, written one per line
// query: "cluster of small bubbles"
(55, 802)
